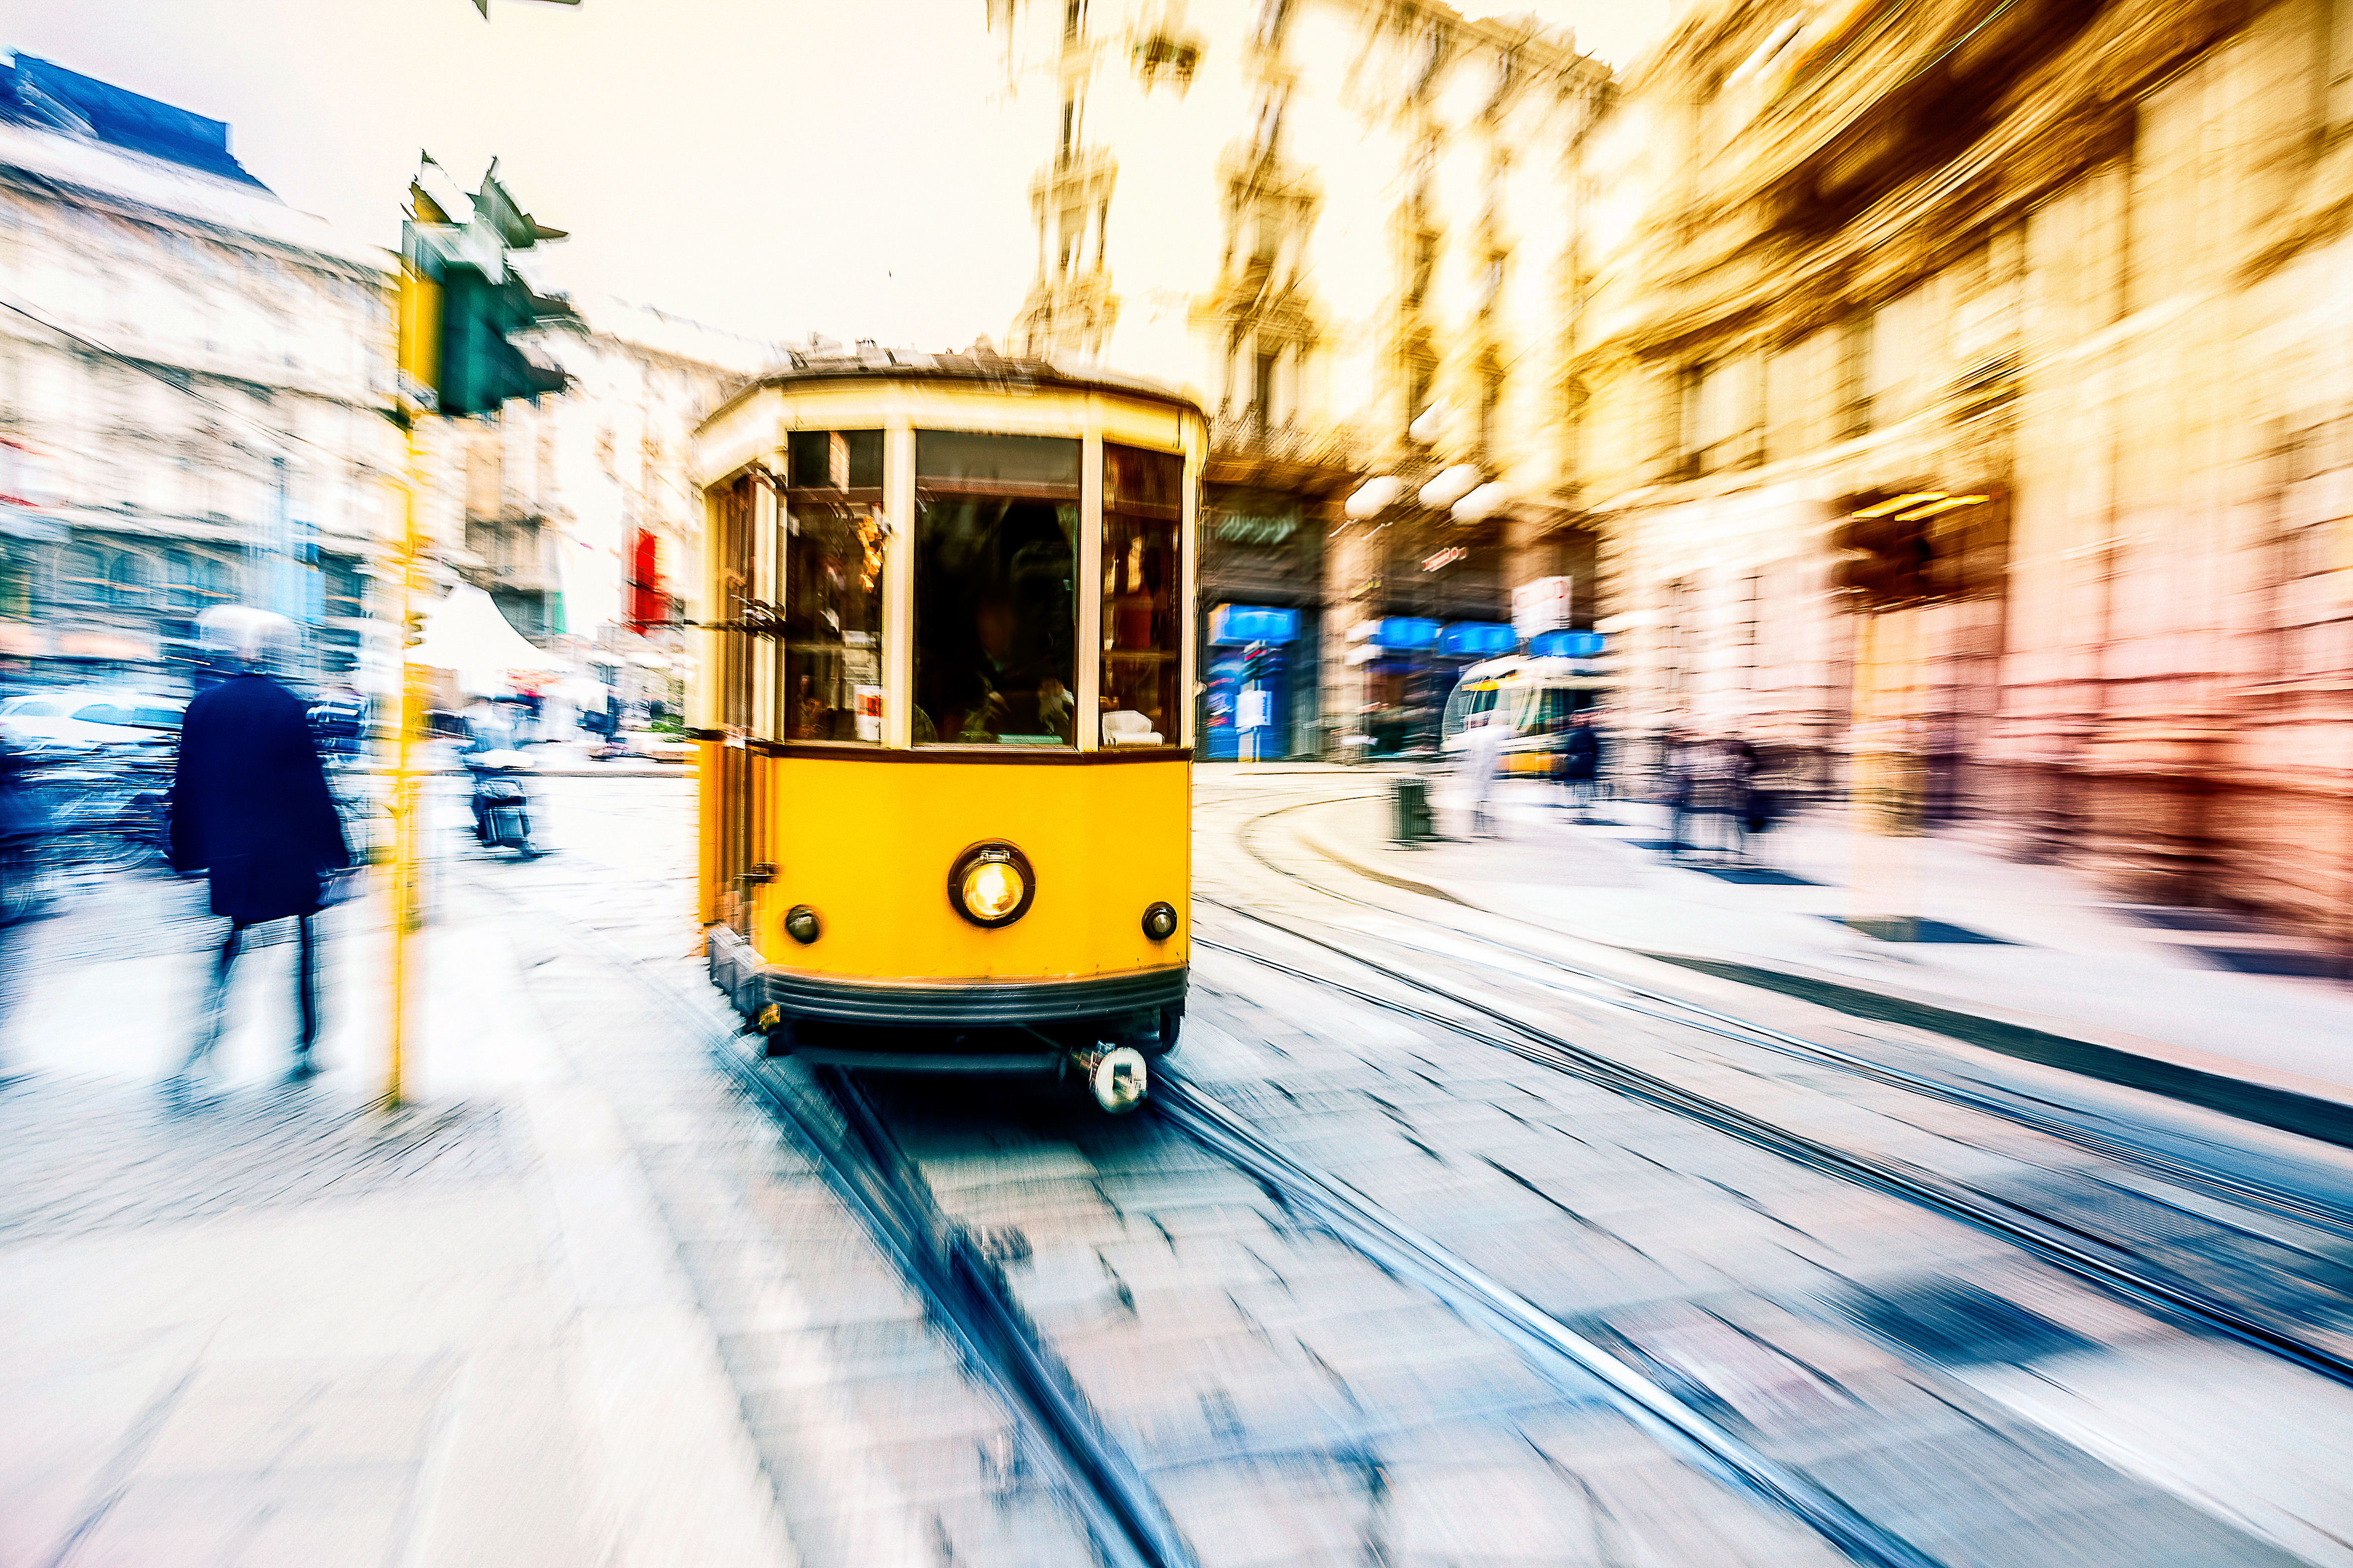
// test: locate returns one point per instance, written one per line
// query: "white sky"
(769, 166)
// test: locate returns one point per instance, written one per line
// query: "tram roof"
(976, 365)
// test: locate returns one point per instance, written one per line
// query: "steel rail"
(2278, 1201)
(1572, 1362)
(2167, 1296)
(962, 1290)
(968, 1295)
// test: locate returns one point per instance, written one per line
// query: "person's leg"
(213, 1010)
(306, 988)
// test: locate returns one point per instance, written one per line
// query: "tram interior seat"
(1126, 727)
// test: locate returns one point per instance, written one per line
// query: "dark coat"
(1580, 753)
(250, 802)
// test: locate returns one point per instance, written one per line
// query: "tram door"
(733, 798)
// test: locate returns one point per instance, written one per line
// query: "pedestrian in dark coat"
(1677, 778)
(1581, 761)
(250, 806)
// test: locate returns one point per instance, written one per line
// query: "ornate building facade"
(1345, 227)
(189, 378)
(192, 381)
(2073, 272)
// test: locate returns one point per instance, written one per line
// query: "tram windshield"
(1143, 589)
(995, 628)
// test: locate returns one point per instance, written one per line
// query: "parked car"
(74, 719)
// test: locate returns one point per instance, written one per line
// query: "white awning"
(466, 634)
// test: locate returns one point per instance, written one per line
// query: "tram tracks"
(965, 1292)
(1572, 1361)
(1616, 993)
(2062, 1240)
(962, 1290)
(968, 1295)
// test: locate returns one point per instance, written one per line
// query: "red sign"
(647, 604)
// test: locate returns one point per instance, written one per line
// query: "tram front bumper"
(956, 1006)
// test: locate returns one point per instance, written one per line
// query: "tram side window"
(734, 672)
(834, 459)
(833, 621)
(1143, 592)
(995, 610)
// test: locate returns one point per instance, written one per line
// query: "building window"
(1420, 373)
(1263, 390)
(1422, 265)
(1723, 416)
(1855, 377)
(16, 583)
(81, 576)
(131, 582)
(346, 590)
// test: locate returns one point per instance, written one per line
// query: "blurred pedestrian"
(1676, 760)
(250, 806)
(1740, 791)
(1581, 761)
(1719, 777)
(1482, 754)
(23, 825)
(340, 721)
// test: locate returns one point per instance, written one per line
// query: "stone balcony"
(1316, 458)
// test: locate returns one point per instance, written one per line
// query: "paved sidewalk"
(2032, 948)
(283, 1326)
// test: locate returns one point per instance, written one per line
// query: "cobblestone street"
(586, 1300)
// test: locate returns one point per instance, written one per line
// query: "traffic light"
(462, 302)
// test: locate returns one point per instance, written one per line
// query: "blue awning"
(1404, 632)
(1567, 645)
(1233, 625)
(1478, 640)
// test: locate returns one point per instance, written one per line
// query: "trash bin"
(1409, 797)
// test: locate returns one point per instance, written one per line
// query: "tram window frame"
(818, 645)
(1143, 528)
(971, 488)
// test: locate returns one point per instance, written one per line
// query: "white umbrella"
(465, 633)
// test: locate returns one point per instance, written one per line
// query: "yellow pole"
(407, 905)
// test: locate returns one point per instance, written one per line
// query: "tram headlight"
(801, 925)
(992, 885)
(1160, 921)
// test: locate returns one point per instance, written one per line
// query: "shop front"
(1251, 707)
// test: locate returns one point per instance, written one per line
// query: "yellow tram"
(944, 719)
